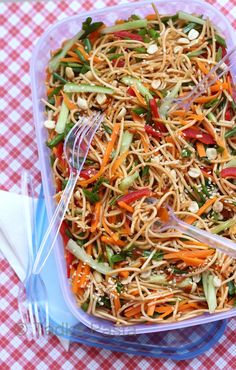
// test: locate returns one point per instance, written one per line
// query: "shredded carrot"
(141, 100)
(178, 113)
(74, 55)
(116, 301)
(86, 55)
(198, 253)
(58, 101)
(191, 242)
(151, 309)
(219, 86)
(109, 148)
(206, 99)
(203, 67)
(131, 311)
(151, 17)
(184, 306)
(50, 90)
(70, 104)
(136, 117)
(165, 310)
(124, 274)
(70, 59)
(203, 209)
(118, 162)
(109, 240)
(126, 229)
(76, 278)
(201, 149)
(119, 21)
(170, 140)
(126, 206)
(96, 218)
(144, 143)
(163, 214)
(219, 141)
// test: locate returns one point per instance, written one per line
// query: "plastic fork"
(32, 295)
(218, 71)
(215, 241)
(76, 147)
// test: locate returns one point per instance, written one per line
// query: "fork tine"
(78, 141)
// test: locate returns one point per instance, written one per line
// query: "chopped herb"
(119, 286)
(55, 91)
(167, 18)
(230, 133)
(100, 258)
(85, 305)
(220, 40)
(117, 258)
(56, 140)
(81, 242)
(144, 171)
(99, 182)
(195, 53)
(88, 27)
(112, 50)
(105, 302)
(141, 50)
(91, 196)
(153, 33)
(179, 271)
(186, 153)
(87, 45)
(156, 257)
(134, 17)
(139, 110)
(56, 76)
(51, 101)
(114, 56)
(232, 288)
(85, 68)
(107, 129)
(80, 55)
(64, 183)
(52, 159)
(211, 103)
(142, 32)
(219, 54)
(233, 106)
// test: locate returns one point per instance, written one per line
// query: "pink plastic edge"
(37, 69)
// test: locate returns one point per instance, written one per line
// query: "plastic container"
(51, 40)
(178, 344)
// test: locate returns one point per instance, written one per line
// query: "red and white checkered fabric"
(21, 24)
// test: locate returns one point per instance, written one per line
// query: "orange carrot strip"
(126, 206)
(141, 100)
(201, 149)
(230, 89)
(70, 59)
(76, 278)
(165, 310)
(203, 67)
(206, 99)
(95, 220)
(127, 227)
(111, 241)
(186, 306)
(192, 261)
(151, 309)
(136, 117)
(124, 274)
(118, 162)
(70, 104)
(203, 209)
(116, 301)
(219, 86)
(106, 157)
(131, 311)
(198, 253)
(151, 17)
(50, 90)
(220, 142)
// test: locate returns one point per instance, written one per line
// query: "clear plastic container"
(179, 344)
(51, 40)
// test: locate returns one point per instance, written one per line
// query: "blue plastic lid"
(178, 344)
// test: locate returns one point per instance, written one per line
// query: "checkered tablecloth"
(21, 24)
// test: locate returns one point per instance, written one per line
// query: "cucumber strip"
(139, 23)
(128, 80)
(74, 88)
(62, 119)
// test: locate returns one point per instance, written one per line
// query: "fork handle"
(54, 226)
(220, 243)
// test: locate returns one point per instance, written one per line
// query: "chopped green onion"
(186, 153)
(230, 133)
(156, 257)
(84, 306)
(141, 50)
(74, 88)
(232, 288)
(139, 110)
(107, 129)
(80, 253)
(196, 53)
(56, 140)
(58, 77)
(211, 103)
(128, 80)
(209, 290)
(62, 119)
(55, 91)
(211, 117)
(167, 18)
(91, 196)
(119, 286)
(140, 23)
(190, 18)
(153, 33)
(80, 55)
(233, 106)
(109, 253)
(128, 181)
(134, 17)
(55, 61)
(144, 171)
(126, 141)
(219, 54)
(115, 56)
(88, 27)
(85, 68)
(223, 226)
(220, 149)
(220, 40)
(87, 45)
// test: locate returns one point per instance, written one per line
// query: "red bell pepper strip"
(59, 150)
(154, 108)
(196, 133)
(69, 259)
(86, 174)
(68, 255)
(134, 195)
(63, 229)
(127, 34)
(131, 92)
(228, 115)
(229, 172)
(120, 62)
(152, 132)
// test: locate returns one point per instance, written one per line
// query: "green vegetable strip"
(140, 23)
(190, 18)
(55, 61)
(126, 141)
(128, 181)
(74, 88)
(80, 253)
(62, 119)
(230, 133)
(223, 226)
(134, 81)
(220, 40)
(58, 77)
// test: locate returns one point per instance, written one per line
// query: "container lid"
(178, 344)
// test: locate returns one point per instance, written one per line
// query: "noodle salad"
(146, 154)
